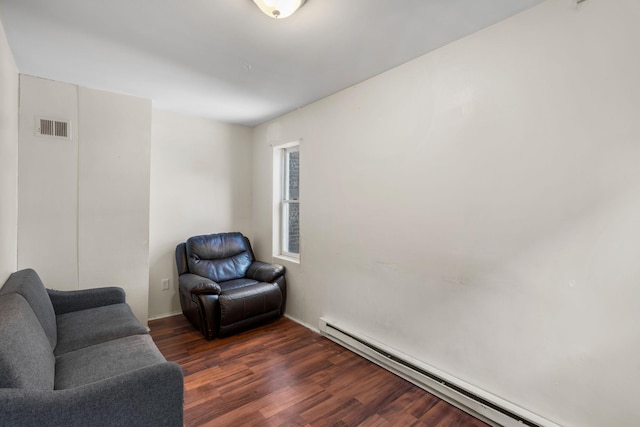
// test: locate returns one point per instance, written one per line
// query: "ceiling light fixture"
(279, 8)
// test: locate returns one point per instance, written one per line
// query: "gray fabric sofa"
(80, 358)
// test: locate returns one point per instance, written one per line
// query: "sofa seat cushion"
(106, 360)
(84, 328)
(26, 358)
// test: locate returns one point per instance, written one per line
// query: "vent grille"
(55, 128)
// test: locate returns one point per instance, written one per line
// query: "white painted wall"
(9, 84)
(48, 184)
(477, 209)
(113, 194)
(84, 204)
(200, 184)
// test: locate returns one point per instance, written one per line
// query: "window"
(286, 182)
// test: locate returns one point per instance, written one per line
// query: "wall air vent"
(54, 128)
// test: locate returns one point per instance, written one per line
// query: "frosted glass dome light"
(279, 8)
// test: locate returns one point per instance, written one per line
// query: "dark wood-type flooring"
(283, 374)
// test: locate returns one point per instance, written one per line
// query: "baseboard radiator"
(477, 402)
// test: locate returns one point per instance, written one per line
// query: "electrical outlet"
(164, 284)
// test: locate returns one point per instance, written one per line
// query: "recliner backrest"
(219, 257)
(181, 258)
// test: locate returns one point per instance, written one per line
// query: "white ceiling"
(224, 59)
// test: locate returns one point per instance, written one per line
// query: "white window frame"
(280, 220)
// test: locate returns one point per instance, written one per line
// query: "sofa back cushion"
(28, 284)
(219, 257)
(26, 358)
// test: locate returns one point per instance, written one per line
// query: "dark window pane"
(293, 240)
(293, 165)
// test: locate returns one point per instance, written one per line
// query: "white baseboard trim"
(300, 322)
(162, 316)
(483, 405)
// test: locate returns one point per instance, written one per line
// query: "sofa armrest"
(68, 301)
(198, 285)
(151, 396)
(265, 272)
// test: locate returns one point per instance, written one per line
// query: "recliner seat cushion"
(26, 358)
(236, 283)
(219, 257)
(84, 328)
(244, 303)
(105, 360)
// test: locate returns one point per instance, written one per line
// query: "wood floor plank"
(283, 374)
(376, 421)
(291, 396)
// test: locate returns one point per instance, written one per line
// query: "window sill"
(287, 258)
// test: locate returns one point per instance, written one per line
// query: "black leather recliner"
(223, 289)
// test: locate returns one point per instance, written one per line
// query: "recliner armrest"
(68, 301)
(265, 272)
(198, 284)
